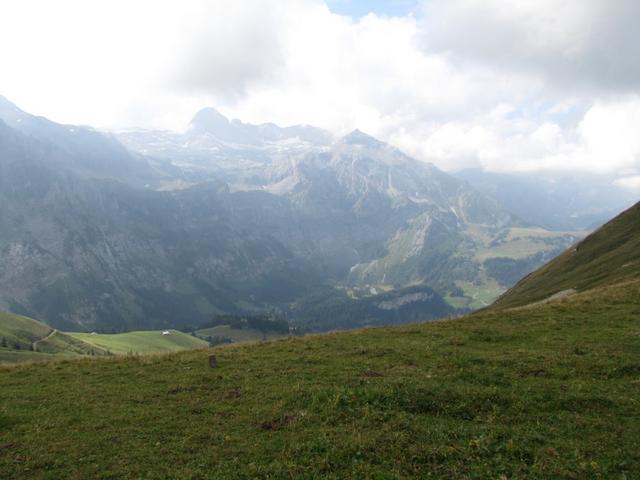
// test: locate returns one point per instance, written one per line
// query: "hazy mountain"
(87, 152)
(91, 251)
(210, 122)
(232, 217)
(568, 202)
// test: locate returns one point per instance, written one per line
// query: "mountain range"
(562, 201)
(141, 229)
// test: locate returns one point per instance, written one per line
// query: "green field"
(237, 334)
(25, 340)
(549, 391)
(152, 341)
(17, 356)
(476, 296)
(520, 243)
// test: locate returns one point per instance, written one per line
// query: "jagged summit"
(209, 120)
(9, 112)
(357, 137)
(4, 101)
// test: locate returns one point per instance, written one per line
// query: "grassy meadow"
(24, 339)
(548, 391)
(151, 341)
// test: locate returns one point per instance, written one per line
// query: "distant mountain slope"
(98, 253)
(88, 152)
(328, 309)
(571, 202)
(609, 255)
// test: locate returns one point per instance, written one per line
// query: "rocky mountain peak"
(209, 120)
(10, 113)
(358, 137)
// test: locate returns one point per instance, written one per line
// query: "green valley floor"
(548, 391)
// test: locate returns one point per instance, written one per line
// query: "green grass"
(29, 334)
(458, 302)
(518, 249)
(17, 356)
(609, 255)
(548, 391)
(65, 343)
(237, 335)
(520, 243)
(22, 330)
(538, 232)
(479, 296)
(141, 342)
(23, 334)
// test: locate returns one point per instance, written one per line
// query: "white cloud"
(230, 47)
(631, 183)
(606, 140)
(505, 85)
(572, 43)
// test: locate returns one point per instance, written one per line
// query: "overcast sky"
(505, 85)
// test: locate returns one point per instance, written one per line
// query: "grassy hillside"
(23, 338)
(18, 356)
(609, 255)
(26, 339)
(22, 331)
(59, 342)
(547, 391)
(142, 342)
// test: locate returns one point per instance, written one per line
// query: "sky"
(527, 86)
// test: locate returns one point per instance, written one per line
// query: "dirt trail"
(34, 345)
(557, 296)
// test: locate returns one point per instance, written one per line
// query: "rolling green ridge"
(609, 255)
(24, 338)
(142, 342)
(547, 391)
(21, 330)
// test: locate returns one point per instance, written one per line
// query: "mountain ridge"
(608, 256)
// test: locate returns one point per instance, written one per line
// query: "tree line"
(262, 322)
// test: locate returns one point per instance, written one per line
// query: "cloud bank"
(507, 86)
